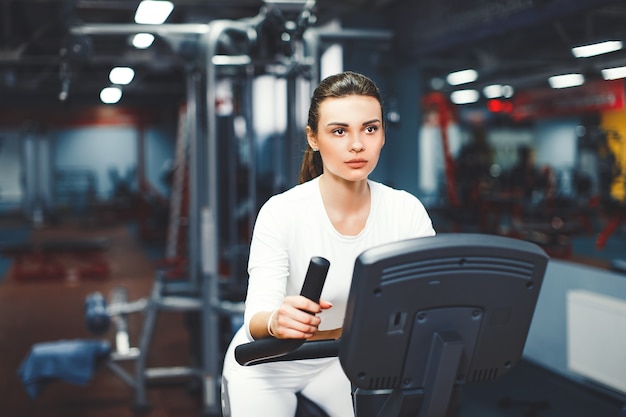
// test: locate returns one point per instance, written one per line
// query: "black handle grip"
(315, 278)
(315, 349)
(262, 349)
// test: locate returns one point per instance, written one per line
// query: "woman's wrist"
(269, 324)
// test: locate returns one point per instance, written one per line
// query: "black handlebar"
(263, 350)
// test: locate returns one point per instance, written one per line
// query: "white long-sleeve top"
(293, 226)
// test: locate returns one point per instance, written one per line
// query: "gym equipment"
(436, 102)
(45, 260)
(99, 314)
(97, 318)
(425, 317)
(236, 51)
(167, 295)
(75, 360)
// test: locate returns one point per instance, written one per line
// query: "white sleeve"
(268, 265)
(418, 222)
(421, 220)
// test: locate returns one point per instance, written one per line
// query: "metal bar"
(171, 372)
(121, 373)
(131, 28)
(252, 168)
(132, 354)
(210, 287)
(291, 146)
(352, 34)
(193, 111)
(150, 317)
(311, 50)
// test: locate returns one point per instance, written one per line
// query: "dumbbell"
(97, 318)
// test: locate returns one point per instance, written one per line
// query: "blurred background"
(137, 145)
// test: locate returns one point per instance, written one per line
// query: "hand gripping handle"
(263, 349)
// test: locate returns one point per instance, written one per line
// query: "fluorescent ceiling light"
(614, 73)
(462, 77)
(230, 60)
(566, 80)
(493, 91)
(464, 96)
(121, 75)
(110, 95)
(497, 91)
(142, 40)
(507, 91)
(596, 49)
(153, 12)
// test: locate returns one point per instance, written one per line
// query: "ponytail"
(311, 165)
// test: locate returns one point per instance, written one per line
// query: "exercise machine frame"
(424, 317)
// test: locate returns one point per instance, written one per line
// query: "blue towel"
(69, 360)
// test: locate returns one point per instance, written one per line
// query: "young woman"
(337, 213)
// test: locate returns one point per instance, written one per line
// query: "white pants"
(270, 389)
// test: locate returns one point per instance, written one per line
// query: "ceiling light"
(230, 60)
(437, 83)
(507, 91)
(493, 91)
(462, 77)
(110, 95)
(153, 12)
(464, 96)
(121, 75)
(614, 73)
(497, 91)
(142, 40)
(596, 49)
(566, 80)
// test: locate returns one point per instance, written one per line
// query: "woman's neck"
(347, 203)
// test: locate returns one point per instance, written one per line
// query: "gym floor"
(41, 311)
(38, 311)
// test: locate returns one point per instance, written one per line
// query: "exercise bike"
(424, 317)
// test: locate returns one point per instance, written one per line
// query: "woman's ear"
(311, 138)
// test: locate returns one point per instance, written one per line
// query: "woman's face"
(349, 137)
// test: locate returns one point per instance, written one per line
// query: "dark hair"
(344, 84)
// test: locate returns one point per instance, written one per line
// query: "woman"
(337, 213)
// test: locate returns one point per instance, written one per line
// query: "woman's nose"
(357, 145)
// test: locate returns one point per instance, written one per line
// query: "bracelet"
(269, 324)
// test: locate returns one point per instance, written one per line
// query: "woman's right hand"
(296, 318)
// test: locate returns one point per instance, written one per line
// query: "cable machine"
(253, 56)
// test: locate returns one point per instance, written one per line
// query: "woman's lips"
(356, 163)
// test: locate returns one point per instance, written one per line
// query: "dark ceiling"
(518, 42)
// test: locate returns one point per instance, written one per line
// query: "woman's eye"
(371, 129)
(339, 131)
